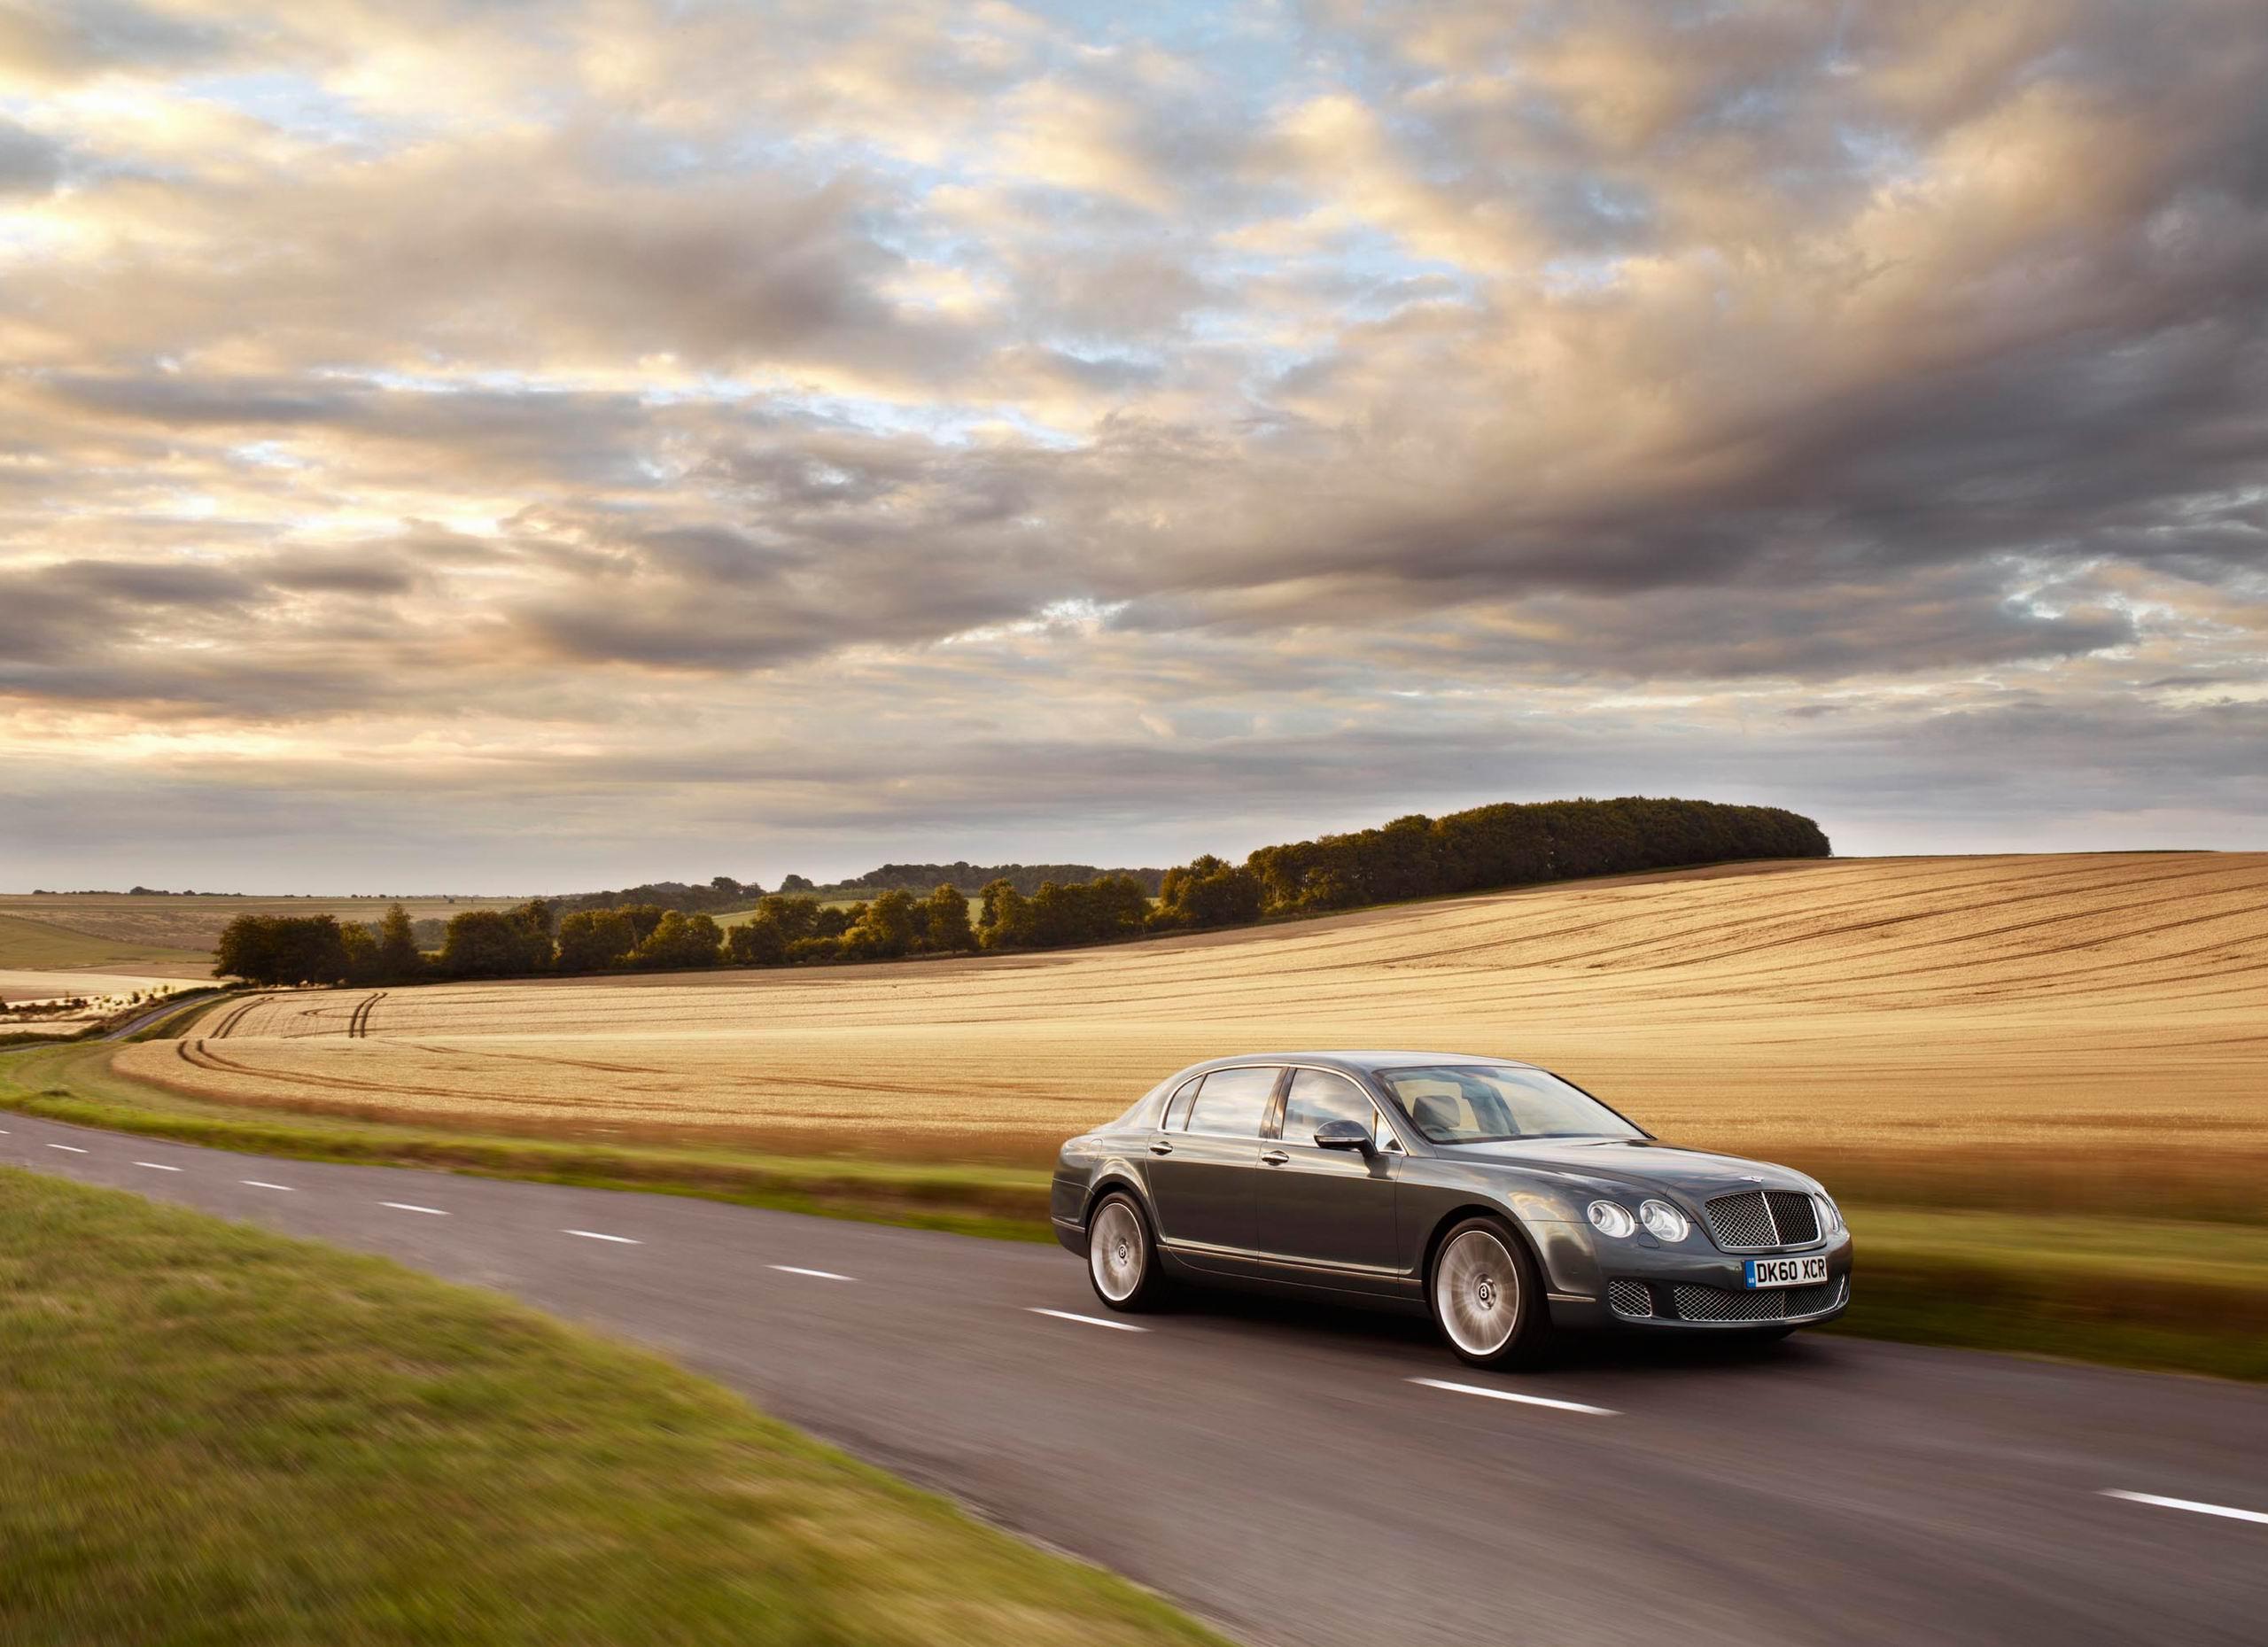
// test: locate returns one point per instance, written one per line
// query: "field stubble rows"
(1926, 1028)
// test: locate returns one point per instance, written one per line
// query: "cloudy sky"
(497, 446)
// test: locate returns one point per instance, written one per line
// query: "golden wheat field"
(2072, 1005)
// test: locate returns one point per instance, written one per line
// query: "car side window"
(1233, 1102)
(1318, 1096)
(1178, 1107)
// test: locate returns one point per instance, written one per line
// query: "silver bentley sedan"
(1506, 1202)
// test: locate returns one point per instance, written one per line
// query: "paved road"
(143, 1020)
(1284, 1472)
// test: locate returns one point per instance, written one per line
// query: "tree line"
(1486, 847)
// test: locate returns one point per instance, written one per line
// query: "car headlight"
(1830, 1216)
(1610, 1219)
(1664, 1221)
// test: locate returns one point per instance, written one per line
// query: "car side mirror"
(1344, 1135)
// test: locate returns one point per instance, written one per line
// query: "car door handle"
(1275, 1158)
(1162, 1148)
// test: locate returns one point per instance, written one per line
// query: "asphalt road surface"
(1311, 1477)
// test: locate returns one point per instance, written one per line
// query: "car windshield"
(1491, 1103)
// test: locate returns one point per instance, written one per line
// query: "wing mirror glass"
(1343, 1134)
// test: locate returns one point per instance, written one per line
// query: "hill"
(1970, 1028)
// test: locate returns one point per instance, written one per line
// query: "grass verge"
(2158, 1293)
(213, 1435)
(2139, 1293)
(75, 1084)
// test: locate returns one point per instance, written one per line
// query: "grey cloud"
(29, 163)
(613, 404)
(149, 584)
(89, 36)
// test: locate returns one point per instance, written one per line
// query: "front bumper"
(1663, 1289)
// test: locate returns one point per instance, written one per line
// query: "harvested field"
(181, 926)
(2105, 1014)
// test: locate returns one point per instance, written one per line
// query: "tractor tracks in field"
(230, 1019)
(358, 1022)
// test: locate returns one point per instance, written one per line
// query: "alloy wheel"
(1477, 1292)
(1115, 1252)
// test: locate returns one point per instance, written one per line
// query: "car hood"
(1638, 1163)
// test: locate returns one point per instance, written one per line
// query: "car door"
(1330, 1207)
(1201, 1171)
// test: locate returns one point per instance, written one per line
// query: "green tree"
(400, 961)
(796, 917)
(1208, 891)
(884, 930)
(359, 945)
(757, 943)
(593, 940)
(680, 944)
(1003, 919)
(484, 944)
(944, 917)
(281, 950)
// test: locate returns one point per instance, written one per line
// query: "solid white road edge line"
(2185, 1504)
(1093, 1321)
(823, 1275)
(262, 1184)
(1531, 1400)
(593, 1235)
(157, 1166)
(74, 1148)
(407, 1207)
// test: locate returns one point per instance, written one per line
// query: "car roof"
(1365, 1062)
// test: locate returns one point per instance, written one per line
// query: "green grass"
(2176, 1297)
(35, 947)
(2181, 1296)
(75, 1084)
(213, 1435)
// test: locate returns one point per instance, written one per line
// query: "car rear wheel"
(1122, 1259)
(1486, 1296)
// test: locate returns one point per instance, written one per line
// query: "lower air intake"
(1719, 1303)
(1630, 1297)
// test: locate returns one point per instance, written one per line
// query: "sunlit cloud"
(799, 433)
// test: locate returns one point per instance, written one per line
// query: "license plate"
(1787, 1272)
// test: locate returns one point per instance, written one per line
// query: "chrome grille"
(1717, 1303)
(1795, 1215)
(1720, 1303)
(1630, 1297)
(1809, 1300)
(1742, 1221)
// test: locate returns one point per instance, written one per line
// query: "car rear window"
(1233, 1102)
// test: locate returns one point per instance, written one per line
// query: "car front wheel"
(1487, 1298)
(1122, 1259)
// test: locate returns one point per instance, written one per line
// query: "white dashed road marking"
(407, 1207)
(1093, 1321)
(74, 1148)
(157, 1166)
(823, 1275)
(260, 1183)
(593, 1235)
(1531, 1400)
(2185, 1504)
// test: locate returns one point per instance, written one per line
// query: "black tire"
(1131, 1257)
(1476, 1264)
